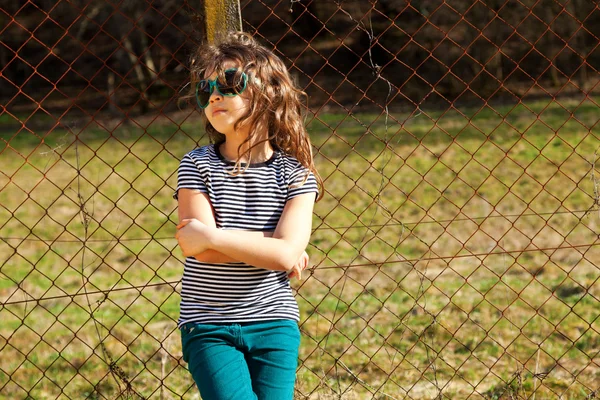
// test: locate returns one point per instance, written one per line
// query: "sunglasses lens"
(203, 93)
(235, 83)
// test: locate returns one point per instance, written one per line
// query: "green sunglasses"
(235, 84)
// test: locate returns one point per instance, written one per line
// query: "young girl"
(245, 212)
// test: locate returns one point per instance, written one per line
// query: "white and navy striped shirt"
(252, 200)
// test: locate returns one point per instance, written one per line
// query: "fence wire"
(455, 253)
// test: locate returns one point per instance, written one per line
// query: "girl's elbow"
(187, 253)
(198, 257)
(205, 256)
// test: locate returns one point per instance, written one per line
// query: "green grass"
(409, 296)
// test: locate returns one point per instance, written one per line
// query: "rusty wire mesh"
(456, 250)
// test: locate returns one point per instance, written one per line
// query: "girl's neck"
(260, 153)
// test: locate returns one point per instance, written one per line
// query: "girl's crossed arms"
(281, 250)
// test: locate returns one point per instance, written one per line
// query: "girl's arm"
(193, 204)
(280, 252)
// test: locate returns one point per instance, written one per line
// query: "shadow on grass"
(334, 134)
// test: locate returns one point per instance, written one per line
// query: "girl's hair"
(275, 102)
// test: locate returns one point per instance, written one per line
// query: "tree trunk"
(112, 99)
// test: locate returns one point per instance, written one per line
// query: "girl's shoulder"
(201, 154)
(289, 162)
(288, 158)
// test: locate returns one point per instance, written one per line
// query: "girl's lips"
(218, 111)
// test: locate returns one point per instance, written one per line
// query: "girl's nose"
(215, 96)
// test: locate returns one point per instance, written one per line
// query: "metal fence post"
(222, 16)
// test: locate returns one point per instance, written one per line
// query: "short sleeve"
(191, 175)
(300, 184)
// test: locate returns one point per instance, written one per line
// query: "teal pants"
(248, 361)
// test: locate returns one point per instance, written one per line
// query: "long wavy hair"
(276, 104)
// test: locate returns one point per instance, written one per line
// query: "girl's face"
(224, 111)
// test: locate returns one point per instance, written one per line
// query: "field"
(456, 255)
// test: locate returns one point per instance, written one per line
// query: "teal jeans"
(247, 361)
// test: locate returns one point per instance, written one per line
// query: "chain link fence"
(456, 252)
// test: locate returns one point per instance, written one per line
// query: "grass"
(455, 252)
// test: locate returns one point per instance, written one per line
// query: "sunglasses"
(235, 84)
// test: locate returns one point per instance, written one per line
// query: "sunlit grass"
(455, 252)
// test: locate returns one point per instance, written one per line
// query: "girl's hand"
(192, 236)
(300, 266)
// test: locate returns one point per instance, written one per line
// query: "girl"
(245, 211)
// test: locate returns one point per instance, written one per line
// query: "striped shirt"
(254, 201)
